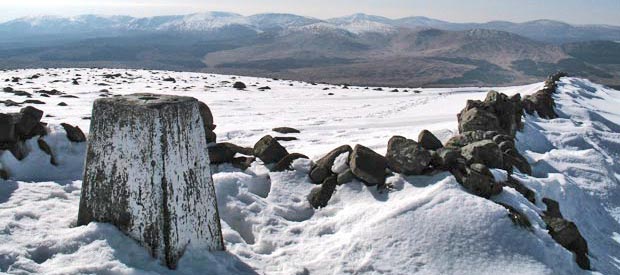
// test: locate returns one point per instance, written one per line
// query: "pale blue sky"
(571, 11)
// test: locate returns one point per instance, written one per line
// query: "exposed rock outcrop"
(407, 156)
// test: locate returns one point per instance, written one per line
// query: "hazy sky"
(571, 11)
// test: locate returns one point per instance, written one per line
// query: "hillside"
(429, 224)
(359, 49)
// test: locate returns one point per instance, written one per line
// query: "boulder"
(285, 138)
(478, 119)
(154, 186)
(513, 159)
(406, 156)
(239, 85)
(516, 217)
(541, 103)
(445, 159)
(4, 174)
(207, 119)
(368, 166)
(285, 163)
(322, 168)
(428, 141)
(466, 138)
(269, 150)
(29, 119)
(320, 196)
(7, 129)
(486, 152)
(74, 133)
(286, 130)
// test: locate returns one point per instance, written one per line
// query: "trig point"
(147, 172)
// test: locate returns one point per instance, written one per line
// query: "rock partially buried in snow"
(320, 196)
(286, 130)
(138, 178)
(323, 167)
(285, 163)
(74, 133)
(239, 85)
(486, 152)
(368, 166)
(269, 150)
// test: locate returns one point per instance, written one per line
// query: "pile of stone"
(16, 128)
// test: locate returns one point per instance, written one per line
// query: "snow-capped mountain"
(362, 23)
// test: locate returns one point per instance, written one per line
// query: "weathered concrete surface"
(147, 172)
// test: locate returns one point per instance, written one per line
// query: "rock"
(243, 163)
(516, 217)
(477, 119)
(465, 138)
(75, 82)
(285, 163)
(19, 150)
(406, 156)
(428, 141)
(169, 79)
(155, 186)
(553, 208)
(345, 177)
(285, 138)
(4, 174)
(207, 119)
(323, 167)
(513, 159)
(264, 88)
(74, 133)
(445, 159)
(320, 196)
(368, 166)
(486, 152)
(239, 85)
(286, 130)
(7, 129)
(269, 150)
(567, 235)
(508, 111)
(62, 104)
(222, 153)
(517, 185)
(477, 179)
(29, 119)
(541, 103)
(47, 149)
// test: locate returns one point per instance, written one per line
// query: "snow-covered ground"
(425, 225)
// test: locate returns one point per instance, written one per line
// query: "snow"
(425, 224)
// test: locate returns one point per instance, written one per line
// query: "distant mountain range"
(358, 49)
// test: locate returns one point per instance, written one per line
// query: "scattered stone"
(239, 85)
(155, 191)
(169, 79)
(406, 156)
(285, 138)
(427, 140)
(264, 88)
(74, 133)
(62, 104)
(368, 166)
(320, 196)
(269, 150)
(285, 163)
(75, 82)
(69, 96)
(33, 101)
(286, 130)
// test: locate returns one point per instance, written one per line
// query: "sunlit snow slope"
(425, 225)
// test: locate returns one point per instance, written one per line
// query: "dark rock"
(320, 196)
(47, 149)
(285, 138)
(264, 88)
(477, 119)
(243, 163)
(29, 118)
(445, 158)
(19, 150)
(427, 140)
(517, 217)
(513, 159)
(239, 85)
(465, 138)
(486, 152)
(553, 208)
(7, 128)
(170, 79)
(345, 177)
(407, 156)
(4, 174)
(69, 96)
(285, 163)
(477, 179)
(75, 82)
(286, 130)
(62, 104)
(323, 167)
(33, 101)
(368, 166)
(225, 152)
(517, 185)
(207, 120)
(269, 150)
(74, 133)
